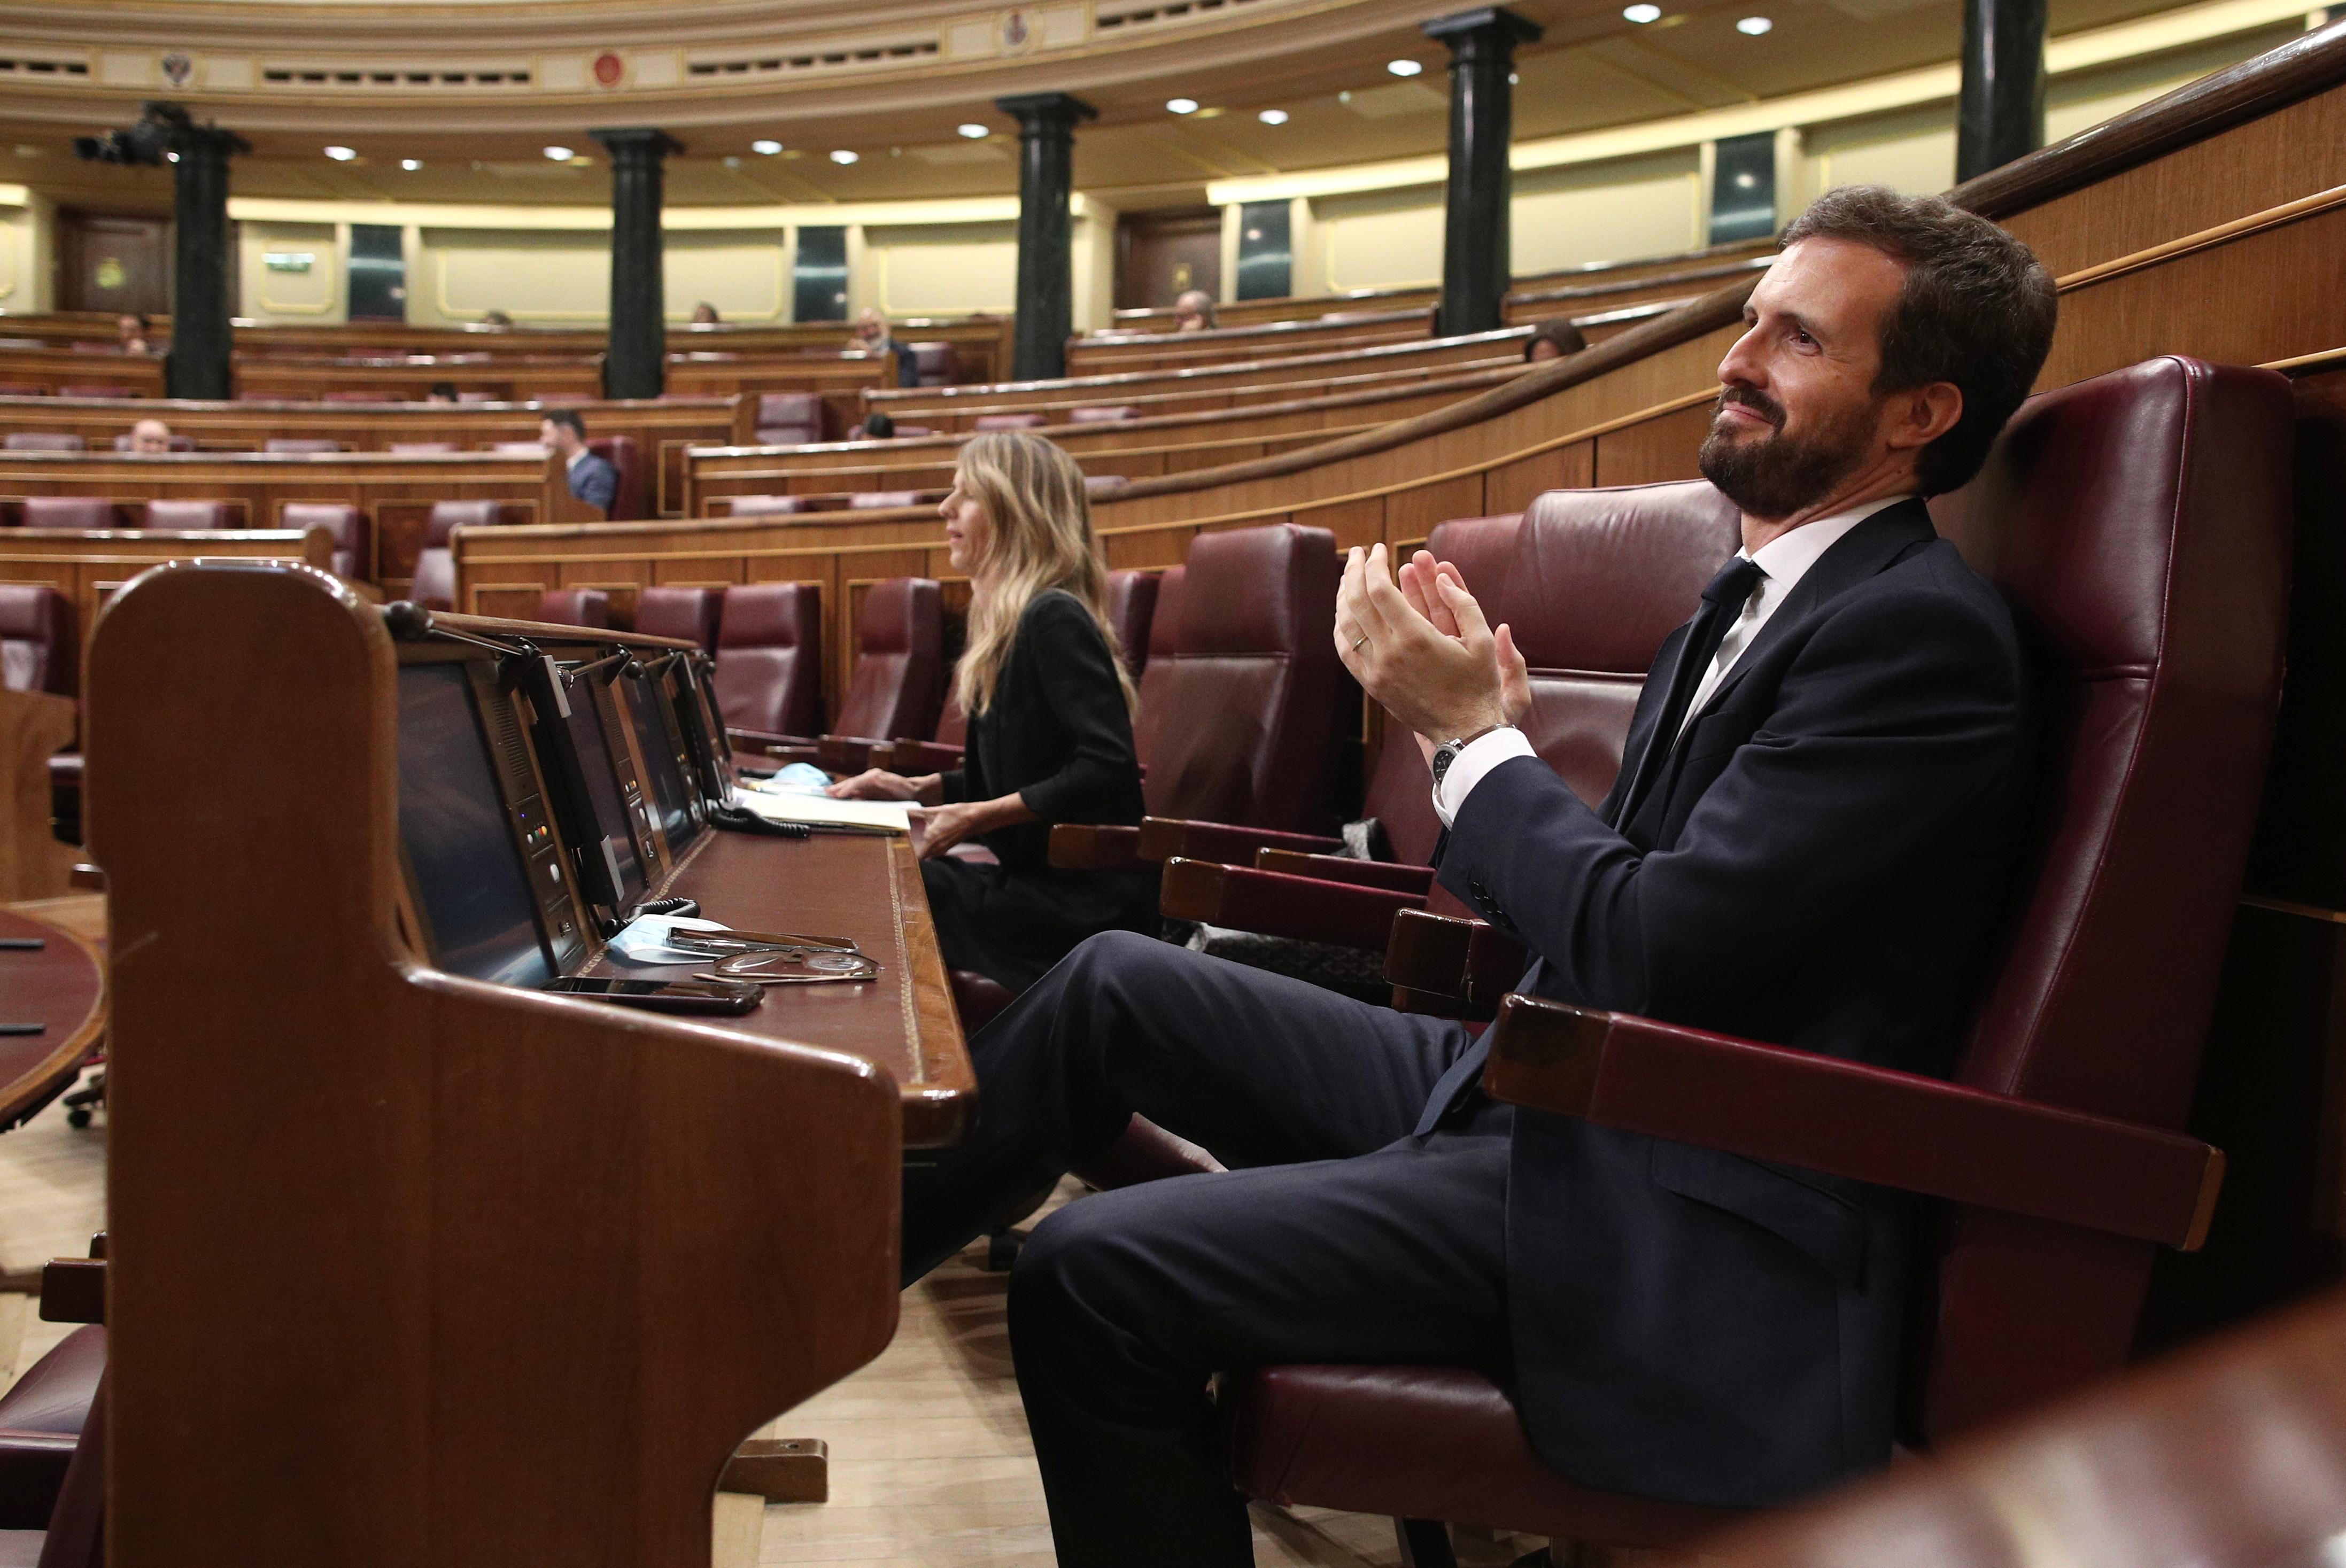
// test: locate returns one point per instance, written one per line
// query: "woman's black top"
(1058, 735)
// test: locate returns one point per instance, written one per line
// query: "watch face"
(1443, 756)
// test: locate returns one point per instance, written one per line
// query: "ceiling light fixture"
(411, 164)
(1182, 106)
(1272, 116)
(560, 154)
(974, 131)
(842, 155)
(341, 154)
(1403, 68)
(1752, 26)
(766, 148)
(1641, 14)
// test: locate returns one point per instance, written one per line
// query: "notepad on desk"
(824, 812)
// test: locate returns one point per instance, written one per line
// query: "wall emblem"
(178, 67)
(1016, 32)
(111, 274)
(610, 70)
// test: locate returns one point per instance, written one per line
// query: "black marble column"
(2000, 114)
(201, 338)
(636, 365)
(1475, 260)
(1046, 288)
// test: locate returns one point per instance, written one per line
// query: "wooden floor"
(930, 1462)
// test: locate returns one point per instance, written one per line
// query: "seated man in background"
(1193, 312)
(150, 438)
(1820, 814)
(874, 337)
(497, 322)
(705, 314)
(442, 391)
(131, 333)
(1553, 339)
(592, 478)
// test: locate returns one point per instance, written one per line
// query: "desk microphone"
(407, 620)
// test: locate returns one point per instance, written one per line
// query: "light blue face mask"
(798, 778)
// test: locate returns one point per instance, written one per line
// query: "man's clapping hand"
(1424, 648)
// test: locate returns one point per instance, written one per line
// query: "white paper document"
(822, 811)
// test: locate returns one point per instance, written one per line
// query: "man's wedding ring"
(1358, 645)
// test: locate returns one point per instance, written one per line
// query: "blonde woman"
(1050, 722)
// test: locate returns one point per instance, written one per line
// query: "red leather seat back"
(2140, 524)
(38, 648)
(420, 448)
(433, 586)
(69, 512)
(898, 686)
(1102, 416)
(362, 397)
(868, 499)
(934, 363)
(953, 724)
(43, 441)
(575, 607)
(353, 538)
(105, 391)
(1597, 579)
(179, 443)
(302, 445)
(788, 418)
(632, 499)
(1156, 679)
(768, 506)
(447, 515)
(692, 614)
(769, 657)
(1131, 606)
(189, 514)
(1239, 727)
(1009, 422)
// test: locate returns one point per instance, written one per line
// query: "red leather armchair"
(1131, 609)
(575, 607)
(189, 514)
(1009, 422)
(39, 647)
(2140, 522)
(632, 499)
(302, 445)
(43, 441)
(353, 535)
(788, 418)
(692, 614)
(769, 659)
(41, 1421)
(877, 500)
(898, 686)
(768, 506)
(932, 362)
(76, 511)
(434, 583)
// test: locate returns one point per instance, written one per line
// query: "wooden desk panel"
(90, 568)
(60, 986)
(506, 379)
(141, 375)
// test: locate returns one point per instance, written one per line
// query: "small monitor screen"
(671, 796)
(469, 880)
(603, 789)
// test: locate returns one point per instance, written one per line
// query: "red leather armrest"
(1091, 847)
(1393, 879)
(1278, 905)
(1452, 965)
(1822, 1114)
(914, 757)
(851, 754)
(73, 1290)
(1162, 838)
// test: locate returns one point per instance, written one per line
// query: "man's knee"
(1080, 1264)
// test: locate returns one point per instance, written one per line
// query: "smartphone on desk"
(664, 996)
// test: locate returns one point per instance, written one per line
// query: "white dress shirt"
(1784, 561)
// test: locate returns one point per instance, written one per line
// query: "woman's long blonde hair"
(1041, 528)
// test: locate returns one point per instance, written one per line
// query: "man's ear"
(1919, 417)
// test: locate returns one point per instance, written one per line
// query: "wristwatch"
(1447, 752)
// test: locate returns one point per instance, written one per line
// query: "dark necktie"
(1722, 601)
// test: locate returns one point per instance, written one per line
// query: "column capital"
(1486, 28)
(641, 142)
(1034, 110)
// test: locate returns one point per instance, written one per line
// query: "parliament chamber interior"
(526, 550)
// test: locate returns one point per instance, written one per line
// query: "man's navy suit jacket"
(594, 481)
(1824, 862)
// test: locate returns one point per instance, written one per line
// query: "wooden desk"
(59, 987)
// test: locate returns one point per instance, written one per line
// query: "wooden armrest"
(1842, 1118)
(914, 758)
(1418, 880)
(1275, 904)
(73, 1290)
(1094, 847)
(1162, 838)
(851, 753)
(1452, 965)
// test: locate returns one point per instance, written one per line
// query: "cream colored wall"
(745, 273)
(1374, 239)
(539, 278)
(937, 268)
(318, 297)
(1614, 211)
(1094, 261)
(27, 250)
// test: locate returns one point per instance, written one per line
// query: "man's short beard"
(1778, 476)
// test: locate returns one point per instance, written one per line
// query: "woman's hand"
(942, 826)
(879, 784)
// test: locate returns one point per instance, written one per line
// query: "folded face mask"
(643, 939)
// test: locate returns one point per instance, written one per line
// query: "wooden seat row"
(1101, 353)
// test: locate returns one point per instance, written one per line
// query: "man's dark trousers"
(1124, 1303)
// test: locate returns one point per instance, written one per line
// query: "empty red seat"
(22, 388)
(302, 445)
(1009, 422)
(632, 499)
(932, 362)
(434, 584)
(420, 448)
(448, 515)
(364, 397)
(518, 448)
(41, 1419)
(1102, 416)
(692, 614)
(179, 443)
(190, 514)
(768, 506)
(788, 418)
(353, 538)
(44, 441)
(38, 648)
(478, 397)
(1131, 607)
(97, 391)
(575, 607)
(898, 686)
(769, 659)
(69, 512)
(869, 500)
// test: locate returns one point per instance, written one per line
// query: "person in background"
(442, 392)
(1553, 339)
(705, 315)
(1050, 723)
(873, 337)
(497, 321)
(592, 478)
(1193, 312)
(879, 427)
(150, 438)
(131, 331)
